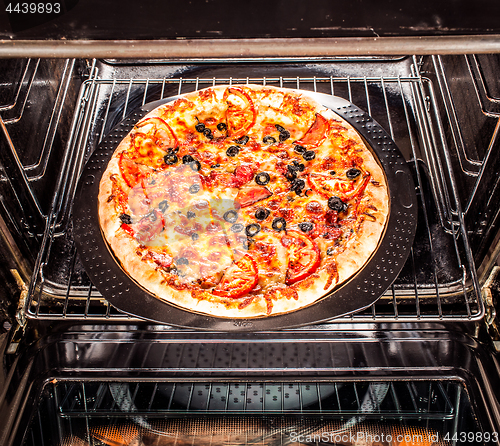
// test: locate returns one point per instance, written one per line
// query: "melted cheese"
(271, 259)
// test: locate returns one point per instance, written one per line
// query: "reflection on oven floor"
(96, 413)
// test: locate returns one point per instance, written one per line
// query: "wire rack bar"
(37, 170)
(397, 102)
(20, 84)
(18, 105)
(469, 165)
(422, 400)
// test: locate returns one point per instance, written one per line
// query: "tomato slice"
(132, 172)
(239, 279)
(148, 227)
(240, 114)
(303, 256)
(247, 197)
(162, 133)
(329, 186)
(128, 229)
(316, 134)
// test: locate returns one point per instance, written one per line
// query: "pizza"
(242, 201)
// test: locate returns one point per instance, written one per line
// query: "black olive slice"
(291, 175)
(231, 216)
(306, 226)
(309, 155)
(336, 204)
(214, 166)
(221, 126)
(245, 243)
(262, 178)
(190, 214)
(298, 185)
(332, 172)
(208, 133)
(170, 158)
(200, 127)
(299, 166)
(242, 141)
(125, 218)
(262, 213)
(182, 261)
(232, 151)
(252, 229)
(195, 165)
(284, 135)
(296, 167)
(299, 149)
(195, 237)
(237, 227)
(268, 140)
(352, 173)
(279, 224)
(163, 205)
(194, 188)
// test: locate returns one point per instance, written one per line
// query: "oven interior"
(74, 364)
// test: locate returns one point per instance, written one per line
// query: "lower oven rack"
(421, 400)
(438, 283)
(247, 413)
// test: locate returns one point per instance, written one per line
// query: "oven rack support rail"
(405, 105)
(21, 171)
(392, 399)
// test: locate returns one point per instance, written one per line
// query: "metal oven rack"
(423, 399)
(245, 413)
(439, 281)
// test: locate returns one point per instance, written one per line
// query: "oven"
(417, 367)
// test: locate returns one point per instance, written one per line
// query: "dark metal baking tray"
(358, 293)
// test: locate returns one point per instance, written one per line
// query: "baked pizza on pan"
(242, 201)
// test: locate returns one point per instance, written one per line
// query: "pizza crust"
(152, 278)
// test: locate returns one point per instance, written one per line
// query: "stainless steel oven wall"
(468, 99)
(37, 101)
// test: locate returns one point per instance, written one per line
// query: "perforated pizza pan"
(358, 293)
